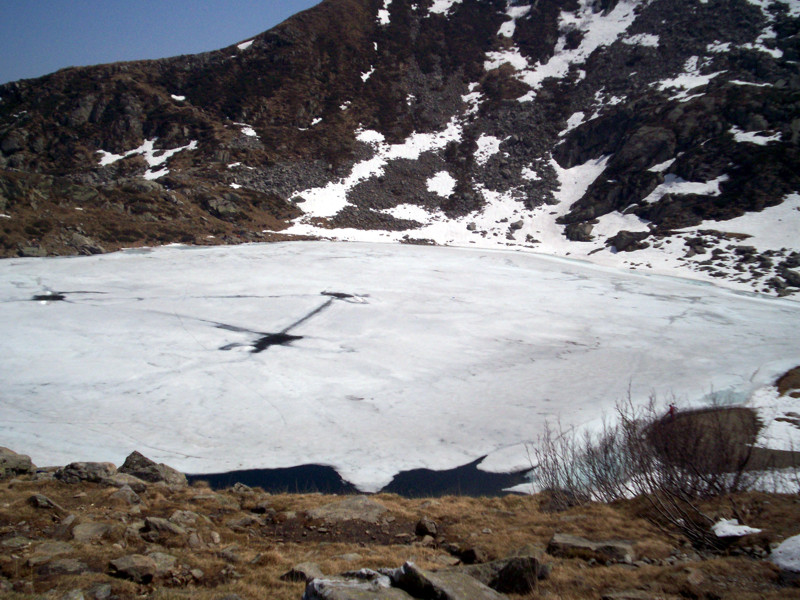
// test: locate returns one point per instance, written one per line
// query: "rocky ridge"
(364, 118)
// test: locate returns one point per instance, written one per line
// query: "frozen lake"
(370, 358)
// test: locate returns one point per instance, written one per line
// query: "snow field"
(453, 354)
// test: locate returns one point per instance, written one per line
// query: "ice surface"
(731, 528)
(453, 353)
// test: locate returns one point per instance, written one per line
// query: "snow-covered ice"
(451, 354)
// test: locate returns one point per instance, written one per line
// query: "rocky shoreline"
(92, 531)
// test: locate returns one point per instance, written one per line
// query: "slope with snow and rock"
(645, 134)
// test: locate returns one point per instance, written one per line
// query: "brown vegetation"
(241, 550)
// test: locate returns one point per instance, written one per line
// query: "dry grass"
(249, 560)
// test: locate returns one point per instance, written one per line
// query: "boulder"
(42, 501)
(357, 508)
(303, 572)
(135, 567)
(120, 480)
(127, 495)
(13, 464)
(342, 588)
(579, 232)
(90, 531)
(164, 562)
(94, 472)
(443, 585)
(47, 551)
(513, 575)
(628, 241)
(164, 526)
(63, 566)
(142, 467)
(426, 526)
(573, 546)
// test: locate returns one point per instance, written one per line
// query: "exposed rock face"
(680, 94)
(145, 469)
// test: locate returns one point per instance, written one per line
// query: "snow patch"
(247, 130)
(442, 184)
(686, 81)
(365, 76)
(154, 157)
(787, 555)
(731, 528)
(754, 137)
(574, 121)
(642, 39)
(178, 98)
(442, 7)
(599, 30)
(245, 45)
(508, 28)
(677, 185)
(488, 146)
(328, 200)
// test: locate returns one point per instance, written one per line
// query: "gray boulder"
(347, 588)
(306, 572)
(91, 531)
(13, 464)
(94, 472)
(163, 526)
(442, 585)
(42, 501)
(63, 566)
(142, 467)
(135, 567)
(513, 575)
(573, 546)
(357, 508)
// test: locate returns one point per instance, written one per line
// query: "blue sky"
(41, 36)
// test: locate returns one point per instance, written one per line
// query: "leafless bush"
(671, 460)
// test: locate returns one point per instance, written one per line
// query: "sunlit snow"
(676, 185)
(155, 157)
(442, 7)
(442, 356)
(442, 184)
(245, 45)
(754, 137)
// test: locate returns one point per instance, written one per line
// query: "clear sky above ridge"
(38, 37)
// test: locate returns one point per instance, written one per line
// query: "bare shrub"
(673, 461)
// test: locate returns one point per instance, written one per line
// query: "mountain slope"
(660, 134)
